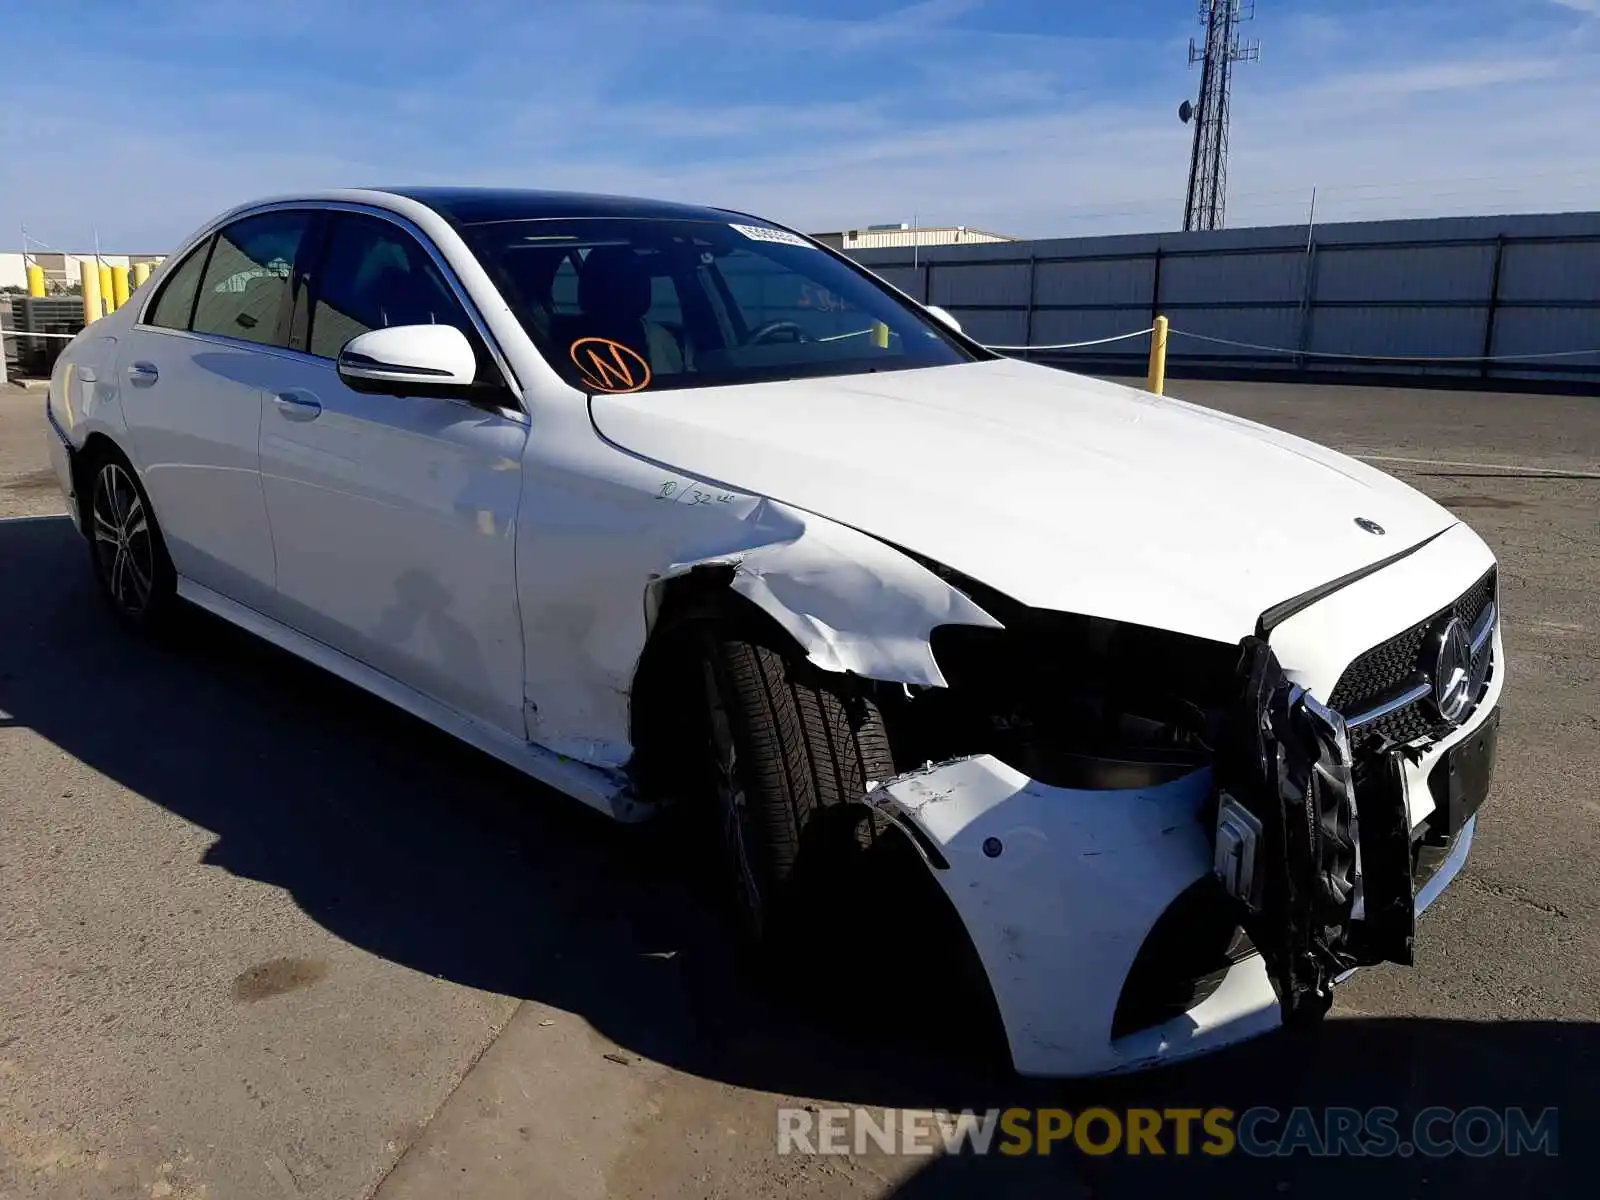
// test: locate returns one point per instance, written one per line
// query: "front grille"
(1390, 666)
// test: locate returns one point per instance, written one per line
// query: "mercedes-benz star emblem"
(1452, 670)
(1370, 526)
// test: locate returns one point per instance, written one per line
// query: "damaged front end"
(1154, 840)
(1292, 849)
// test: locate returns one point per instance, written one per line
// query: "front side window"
(248, 277)
(374, 275)
(176, 301)
(630, 304)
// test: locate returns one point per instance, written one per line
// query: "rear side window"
(172, 308)
(374, 275)
(247, 278)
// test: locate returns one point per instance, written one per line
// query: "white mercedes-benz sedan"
(664, 505)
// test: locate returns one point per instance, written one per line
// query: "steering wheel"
(764, 333)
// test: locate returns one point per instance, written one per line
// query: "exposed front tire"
(774, 758)
(126, 549)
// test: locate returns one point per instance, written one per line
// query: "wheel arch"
(845, 601)
(96, 448)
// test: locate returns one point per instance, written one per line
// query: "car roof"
(476, 206)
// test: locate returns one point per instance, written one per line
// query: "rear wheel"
(125, 546)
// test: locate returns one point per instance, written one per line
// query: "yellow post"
(35, 280)
(89, 276)
(119, 286)
(1158, 357)
(141, 274)
(105, 289)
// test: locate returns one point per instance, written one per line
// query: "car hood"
(1062, 492)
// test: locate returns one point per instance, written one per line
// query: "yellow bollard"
(1157, 382)
(89, 277)
(119, 286)
(141, 274)
(35, 280)
(105, 290)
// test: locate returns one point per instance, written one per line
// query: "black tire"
(780, 756)
(126, 549)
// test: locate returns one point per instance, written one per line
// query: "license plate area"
(1460, 781)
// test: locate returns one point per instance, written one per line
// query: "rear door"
(193, 371)
(393, 517)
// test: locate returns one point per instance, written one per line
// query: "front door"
(393, 517)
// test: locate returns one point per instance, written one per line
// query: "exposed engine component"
(1286, 763)
(1069, 700)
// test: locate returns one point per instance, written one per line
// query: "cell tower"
(1207, 205)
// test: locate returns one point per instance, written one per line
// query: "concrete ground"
(262, 936)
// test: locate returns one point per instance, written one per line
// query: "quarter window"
(375, 275)
(172, 308)
(248, 276)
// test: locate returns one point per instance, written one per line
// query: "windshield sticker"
(608, 366)
(761, 233)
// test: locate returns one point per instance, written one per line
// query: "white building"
(876, 237)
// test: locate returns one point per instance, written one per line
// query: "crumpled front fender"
(852, 603)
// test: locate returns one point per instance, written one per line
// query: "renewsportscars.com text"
(1437, 1132)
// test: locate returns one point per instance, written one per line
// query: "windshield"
(626, 305)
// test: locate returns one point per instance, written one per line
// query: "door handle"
(143, 374)
(298, 406)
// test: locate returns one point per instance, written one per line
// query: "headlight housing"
(1072, 701)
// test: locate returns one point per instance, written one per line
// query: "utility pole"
(1207, 204)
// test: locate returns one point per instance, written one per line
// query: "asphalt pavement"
(264, 936)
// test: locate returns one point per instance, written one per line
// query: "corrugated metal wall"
(1391, 295)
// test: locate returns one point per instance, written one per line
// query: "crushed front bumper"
(1060, 889)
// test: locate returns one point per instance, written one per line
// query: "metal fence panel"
(907, 279)
(1415, 331)
(995, 326)
(1054, 326)
(1096, 282)
(1261, 326)
(1458, 287)
(1551, 271)
(1409, 274)
(1234, 278)
(963, 283)
(1550, 330)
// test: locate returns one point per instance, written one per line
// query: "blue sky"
(1032, 117)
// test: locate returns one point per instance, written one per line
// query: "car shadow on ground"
(411, 846)
(1358, 1063)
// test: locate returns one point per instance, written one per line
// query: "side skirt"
(598, 789)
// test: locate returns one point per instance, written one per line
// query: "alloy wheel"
(122, 540)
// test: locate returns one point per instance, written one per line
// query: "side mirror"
(944, 317)
(409, 359)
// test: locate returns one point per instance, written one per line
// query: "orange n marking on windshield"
(608, 366)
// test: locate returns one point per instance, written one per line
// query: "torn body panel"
(853, 604)
(601, 538)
